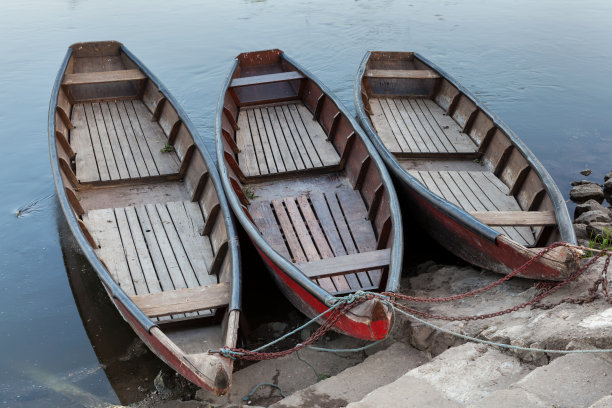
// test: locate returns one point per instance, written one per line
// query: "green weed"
(601, 242)
(249, 193)
(167, 148)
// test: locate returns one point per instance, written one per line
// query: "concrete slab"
(512, 398)
(575, 380)
(355, 382)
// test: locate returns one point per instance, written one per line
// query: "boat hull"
(492, 254)
(351, 324)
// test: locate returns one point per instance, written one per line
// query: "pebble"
(583, 192)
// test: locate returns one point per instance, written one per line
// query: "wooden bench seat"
(266, 79)
(103, 77)
(341, 265)
(516, 218)
(479, 192)
(184, 300)
(154, 248)
(402, 73)
(319, 228)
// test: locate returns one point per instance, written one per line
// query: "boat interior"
(454, 148)
(142, 195)
(303, 175)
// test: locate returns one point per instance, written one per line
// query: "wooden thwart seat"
(341, 265)
(266, 79)
(321, 227)
(154, 248)
(479, 192)
(184, 300)
(103, 77)
(402, 74)
(516, 218)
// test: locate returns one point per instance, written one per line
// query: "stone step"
(292, 373)
(458, 377)
(355, 382)
(605, 402)
(574, 380)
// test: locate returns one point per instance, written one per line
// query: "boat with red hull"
(464, 176)
(309, 189)
(147, 208)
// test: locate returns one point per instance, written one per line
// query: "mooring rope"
(340, 305)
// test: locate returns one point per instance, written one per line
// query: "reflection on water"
(127, 362)
(544, 67)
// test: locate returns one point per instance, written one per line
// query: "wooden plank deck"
(284, 138)
(154, 248)
(476, 191)
(418, 126)
(317, 227)
(117, 141)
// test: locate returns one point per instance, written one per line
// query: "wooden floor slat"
(116, 140)
(279, 139)
(417, 125)
(476, 191)
(154, 248)
(320, 226)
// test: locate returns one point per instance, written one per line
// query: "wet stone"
(590, 217)
(586, 172)
(598, 228)
(608, 176)
(590, 205)
(584, 192)
(581, 231)
(583, 182)
(607, 190)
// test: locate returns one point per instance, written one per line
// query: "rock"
(583, 182)
(590, 205)
(590, 217)
(607, 189)
(608, 176)
(598, 228)
(584, 192)
(586, 172)
(581, 231)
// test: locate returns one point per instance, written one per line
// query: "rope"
(339, 306)
(255, 388)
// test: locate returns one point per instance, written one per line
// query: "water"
(544, 67)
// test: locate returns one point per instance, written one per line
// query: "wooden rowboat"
(146, 206)
(309, 189)
(468, 180)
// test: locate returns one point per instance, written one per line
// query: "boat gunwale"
(397, 248)
(564, 222)
(113, 289)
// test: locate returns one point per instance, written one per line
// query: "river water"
(545, 67)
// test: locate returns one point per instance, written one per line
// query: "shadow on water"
(127, 362)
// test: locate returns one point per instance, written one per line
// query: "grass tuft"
(167, 148)
(601, 242)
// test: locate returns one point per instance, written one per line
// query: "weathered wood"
(516, 218)
(401, 73)
(184, 300)
(266, 79)
(297, 253)
(341, 265)
(103, 77)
